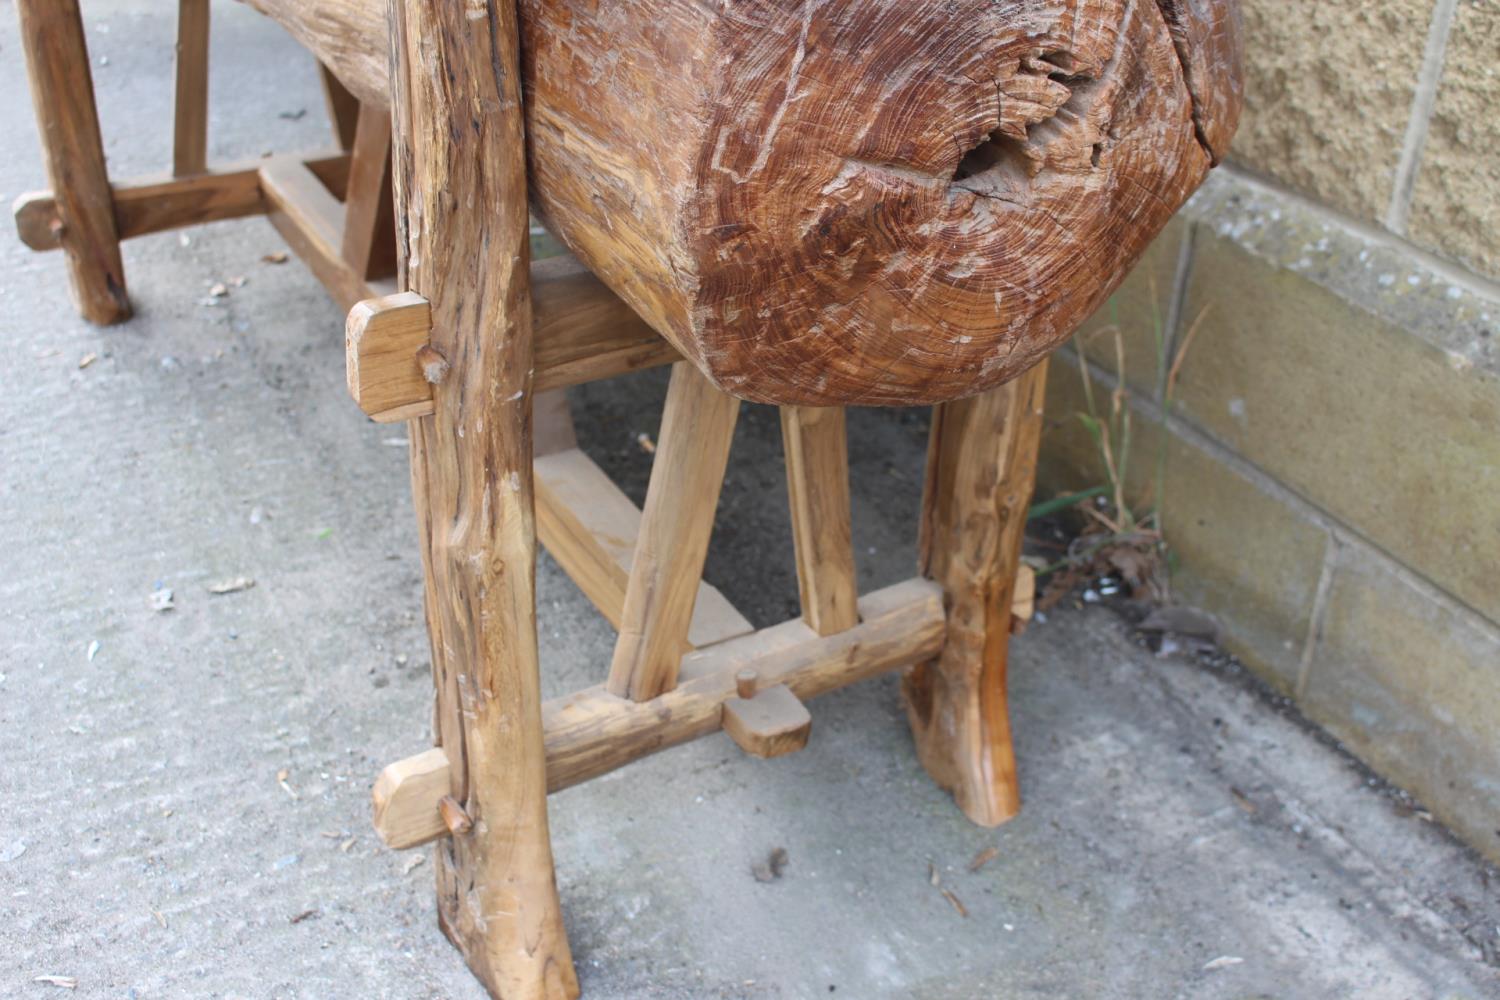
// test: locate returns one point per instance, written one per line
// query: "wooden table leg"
(981, 464)
(62, 90)
(460, 177)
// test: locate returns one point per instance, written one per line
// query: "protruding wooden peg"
(745, 683)
(771, 724)
(408, 800)
(454, 818)
(434, 366)
(389, 363)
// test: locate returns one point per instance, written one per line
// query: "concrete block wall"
(1332, 444)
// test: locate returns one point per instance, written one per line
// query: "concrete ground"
(184, 793)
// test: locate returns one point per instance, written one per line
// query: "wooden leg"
(981, 464)
(62, 90)
(817, 483)
(691, 456)
(369, 230)
(460, 177)
(343, 108)
(190, 109)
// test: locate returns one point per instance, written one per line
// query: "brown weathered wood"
(311, 220)
(62, 91)
(342, 105)
(460, 183)
(147, 205)
(190, 107)
(855, 202)
(592, 732)
(771, 724)
(583, 332)
(369, 245)
(590, 526)
(981, 464)
(817, 481)
(692, 453)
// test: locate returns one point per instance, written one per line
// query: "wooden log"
(460, 182)
(190, 107)
(860, 201)
(817, 484)
(692, 453)
(981, 464)
(62, 91)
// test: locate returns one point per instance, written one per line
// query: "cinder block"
(1243, 553)
(1140, 308)
(1456, 204)
(1368, 421)
(1328, 92)
(1407, 679)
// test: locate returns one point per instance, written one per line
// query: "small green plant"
(1119, 538)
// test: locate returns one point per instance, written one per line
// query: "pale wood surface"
(190, 106)
(687, 472)
(774, 723)
(981, 465)
(405, 799)
(594, 732)
(460, 182)
(590, 527)
(381, 340)
(62, 90)
(889, 201)
(817, 478)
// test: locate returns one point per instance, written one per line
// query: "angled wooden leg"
(369, 244)
(981, 464)
(190, 108)
(691, 455)
(62, 90)
(817, 484)
(343, 108)
(460, 178)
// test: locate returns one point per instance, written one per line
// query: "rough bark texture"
(856, 201)
(459, 177)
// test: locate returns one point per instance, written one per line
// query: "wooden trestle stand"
(459, 343)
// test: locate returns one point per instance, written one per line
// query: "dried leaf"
(770, 869)
(218, 290)
(1223, 962)
(231, 586)
(87, 359)
(932, 874)
(416, 859)
(308, 913)
(275, 257)
(1243, 801)
(983, 858)
(66, 982)
(957, 903)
